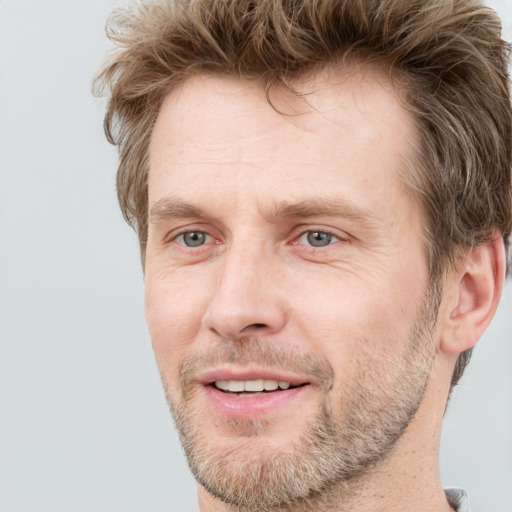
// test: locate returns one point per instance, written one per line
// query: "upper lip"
(211, 375)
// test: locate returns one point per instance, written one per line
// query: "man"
(322, 193)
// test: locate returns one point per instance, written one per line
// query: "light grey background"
(83, 423)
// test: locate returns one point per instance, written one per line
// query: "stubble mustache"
(254, 352)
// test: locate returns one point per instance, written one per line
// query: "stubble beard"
(323, 467)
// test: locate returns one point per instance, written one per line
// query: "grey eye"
(319, 238)
(193, 238)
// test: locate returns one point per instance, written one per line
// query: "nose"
(247, 300)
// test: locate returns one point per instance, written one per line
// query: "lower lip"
(250, 407)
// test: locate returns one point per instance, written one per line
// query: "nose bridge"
(245, 301)
(242, 263)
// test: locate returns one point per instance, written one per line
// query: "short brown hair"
(448, 55)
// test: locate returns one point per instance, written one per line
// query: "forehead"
(343, 129)
(332, 95)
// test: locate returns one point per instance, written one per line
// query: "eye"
(318, 238)
(193, 238)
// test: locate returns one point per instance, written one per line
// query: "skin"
(255, 183)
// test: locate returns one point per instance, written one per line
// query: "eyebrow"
(173, 208)
(325, 207)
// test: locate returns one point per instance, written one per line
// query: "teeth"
(255, 386)
(222, 384)
(270, 385)
(236, 386)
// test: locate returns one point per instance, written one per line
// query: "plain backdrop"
(83, 423)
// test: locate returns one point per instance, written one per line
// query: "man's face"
(286, 282)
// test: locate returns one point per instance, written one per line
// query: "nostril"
(256, 329)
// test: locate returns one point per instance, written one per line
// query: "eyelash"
(333, 238)
(181, 236)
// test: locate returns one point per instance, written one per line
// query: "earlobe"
(477, 285)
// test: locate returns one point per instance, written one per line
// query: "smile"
(250, 397)
(249, 387)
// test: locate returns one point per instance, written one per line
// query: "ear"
(473, 292)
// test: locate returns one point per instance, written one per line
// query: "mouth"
(251, 388)
(252, 393)
(252, 397)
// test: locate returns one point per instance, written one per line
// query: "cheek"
(175, 298)
(345, 319)
(174, 316)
